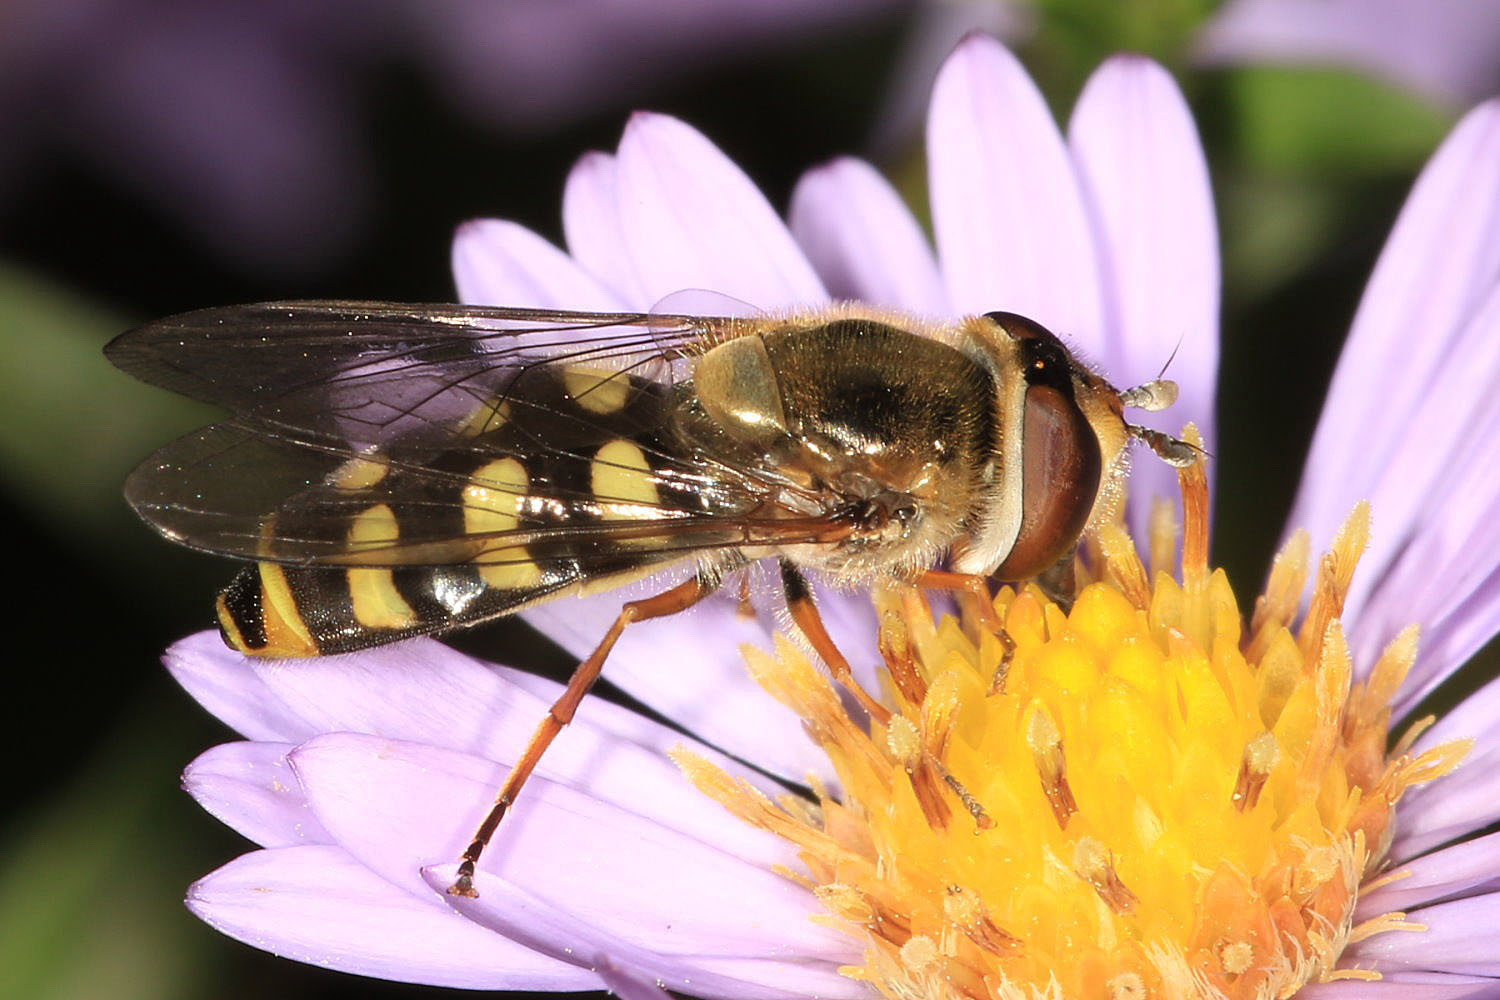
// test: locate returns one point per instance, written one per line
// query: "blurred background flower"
(1446, 50)
(158, 155)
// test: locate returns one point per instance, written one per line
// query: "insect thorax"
(883, 434)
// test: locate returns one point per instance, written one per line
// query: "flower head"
(364, 775)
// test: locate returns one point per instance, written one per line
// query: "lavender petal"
(250, 789)
(500, 263)
(863, 240)
(223, 681)
(693, 220)
(317, 905)
(1012, 232)
(400, 808)
(1145, 181)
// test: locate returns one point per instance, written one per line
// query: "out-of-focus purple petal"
(1447, 49)
(1460, 938)
(531, 65)
(425, 692)
(224, 682)
(1465, 869)
(1402, 985)
(500, 263)
(591, 223)
(249, 788)
(1439, 264)
(521, 916)
(1011, 229)
(1436, 519)
(863, 240)
(935, 30)
(692, 219)
(1145, 182)
(645, 882)
(316, 905)
(207, 111)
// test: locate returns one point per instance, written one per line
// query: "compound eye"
(1044, 359)
(1060, 471)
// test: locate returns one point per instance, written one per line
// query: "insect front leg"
(668, 602)
(977, 588)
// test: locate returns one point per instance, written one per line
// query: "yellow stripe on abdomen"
(372, 591)
(492, 502)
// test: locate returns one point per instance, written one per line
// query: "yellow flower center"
(1145, 797)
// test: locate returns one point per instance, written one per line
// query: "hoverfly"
(399, 470)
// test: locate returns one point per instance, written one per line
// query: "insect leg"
(978, 587)
(804, 612)
(668, 602)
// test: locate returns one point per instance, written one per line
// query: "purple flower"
(362, 777)
(1448, 50)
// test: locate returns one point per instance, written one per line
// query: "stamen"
(1092, 863)
(1260, 759)
(1161, 537)
(967, 912)
(1047, 750)
(905, 743)
(895, 649)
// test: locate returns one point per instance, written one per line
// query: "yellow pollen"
(1144, 795)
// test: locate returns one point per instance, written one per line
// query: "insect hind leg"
(668, 602)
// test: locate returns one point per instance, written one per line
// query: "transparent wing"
(392, 435)
(368, 372)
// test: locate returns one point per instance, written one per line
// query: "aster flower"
(1448, 50)
(1157, 839)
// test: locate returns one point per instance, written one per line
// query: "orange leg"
(977, 587)
(805, 613)
(679, 598)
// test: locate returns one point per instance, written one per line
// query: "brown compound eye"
(1060, 470)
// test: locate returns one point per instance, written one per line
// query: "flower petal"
(1435, 519)
(1439, 264)
(222, 681)
(317, 905)
(863, 240)
(249, 788)
(425, 692)
(591, 223)
(1467, 799)
(1402, 985)
(1460, 938)
(402, 807)
(1465, 869)
(1145, 181)
(692, 219)
(499, 263)
(1011, 229)
(519, 915)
